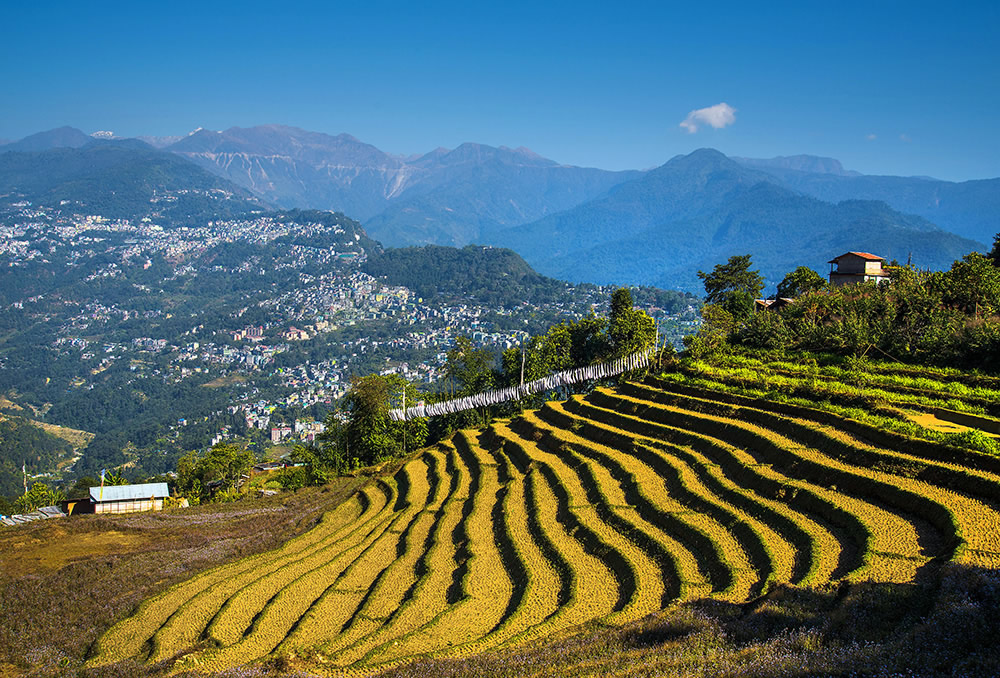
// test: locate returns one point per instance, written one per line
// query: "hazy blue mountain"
(969, 208)
(125, 178)
(697, 210)
(800, 163)
(160, 142)
(62, 137)
(474, 191)
(444, 197)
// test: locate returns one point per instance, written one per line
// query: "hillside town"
(280, 338)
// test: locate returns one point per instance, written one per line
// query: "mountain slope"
(62, 137)
(295, 168)
(969, 208)
(491, 275)
(801, 163)
(698, 210)
(448, 197)
(468, 194)
(126, 179)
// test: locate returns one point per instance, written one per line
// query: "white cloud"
(871, 137)
(717, 116)
(905, 138)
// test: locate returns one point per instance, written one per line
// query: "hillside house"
(856, 267)
(772, 304)
(129, 498)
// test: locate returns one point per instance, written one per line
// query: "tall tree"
(629, 329)
(731, 277)
(370, 435)
(39, 494)
(469, 369)
(803, 279)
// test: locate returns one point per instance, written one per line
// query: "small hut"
(129, 498)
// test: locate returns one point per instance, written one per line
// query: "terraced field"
(603, 508)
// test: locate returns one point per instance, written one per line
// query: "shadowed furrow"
(895, 553)
(800, 548)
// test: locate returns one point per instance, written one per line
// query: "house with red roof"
(856, 267)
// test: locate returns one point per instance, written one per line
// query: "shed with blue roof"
(129, 498)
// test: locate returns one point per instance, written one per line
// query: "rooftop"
(862, 255)
(127, 492)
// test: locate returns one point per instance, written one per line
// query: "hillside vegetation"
(791, 526)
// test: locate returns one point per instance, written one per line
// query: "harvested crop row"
(393, 589)
(612, 502)
(334, 615)
(851, 533)
(541, 589)
(128, 638)
(960, 518)
(484, 585)
(662, 501)
(822, 433)
(187, 625)
(894, 552)
(436, 565)
(772, 556)
(799, 548)
(679, 547)
(591, 581)
(328, 613)
(712, 395)
(285, 610)
(639, 578)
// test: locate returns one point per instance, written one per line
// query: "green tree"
(331, 444)
(81, 488)
(803, 279)
(317, 471)
(226, 463)
(589, 341)
(733, 276)
(39, 494)
(629, 329)
(223, 466)
(370, 435)
(994, 254)
(469, 369)
(973, 284)
(112, 478)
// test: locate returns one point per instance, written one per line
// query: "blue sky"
(888, 88)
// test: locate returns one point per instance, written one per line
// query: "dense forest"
(22, 444)
(494, 275)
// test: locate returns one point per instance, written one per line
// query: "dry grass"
(75, 437)
(222, 382)
(65, 582)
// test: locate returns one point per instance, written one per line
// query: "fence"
(636, 361)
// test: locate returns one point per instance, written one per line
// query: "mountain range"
(446, 197)
(697, 210)
(581, 224)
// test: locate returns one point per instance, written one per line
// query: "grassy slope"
(940, 625)
(66, 581)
